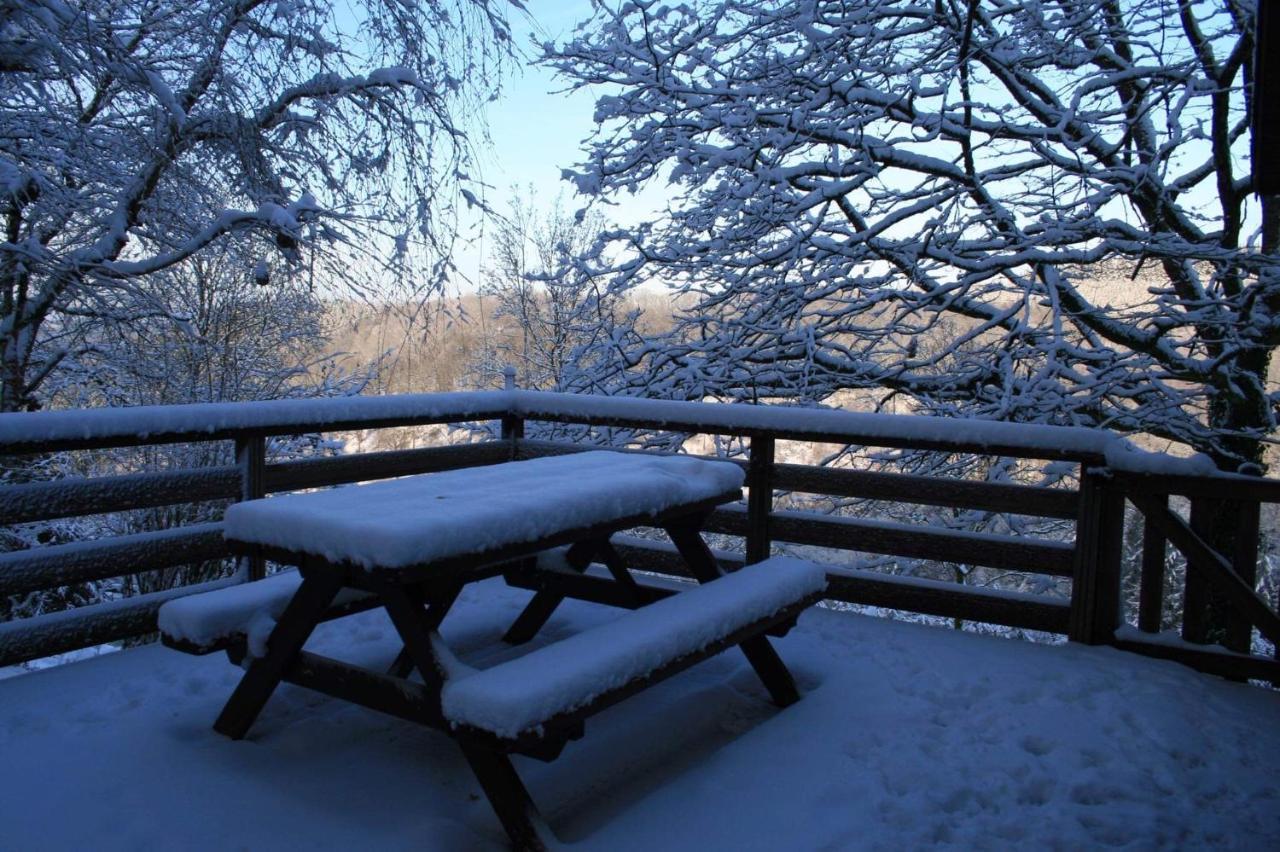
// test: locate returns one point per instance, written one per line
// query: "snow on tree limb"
(1022, 211)
(136, 135)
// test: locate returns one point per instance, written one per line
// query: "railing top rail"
(47, 431)
(823, 424)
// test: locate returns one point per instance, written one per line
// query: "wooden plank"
(1206, 658)
(928, 597)
(512, 424)
(23, 571)
(531, 448)
(251, 459)
(350, 606)
(948, 600)
(1011, 449)
(570, 719)
(1035, 556)
(759, 498)
(361, 467)
(1220, 486)
(929, 491)
(1212, 566)
(69, 630)
(660, 557)
(894, 487)
(1245, 562)
(347, 416)
(1196, 593)
(404, 699)
(66, 498)
(1151, 589)
(519, 816)
(1096, 561)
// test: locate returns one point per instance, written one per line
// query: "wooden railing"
(1092, 559)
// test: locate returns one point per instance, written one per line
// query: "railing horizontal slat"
(338, 470)
(890, 539)
(69, 630)
(895, 487)
(1222, 486)
(929, 490)
(43, 501)
(947, 600)
(1206, 659)
(527, 448)
(23, 571)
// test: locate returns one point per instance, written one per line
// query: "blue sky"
(537, 129)
(534, 132)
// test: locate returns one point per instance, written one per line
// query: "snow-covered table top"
(431, 517)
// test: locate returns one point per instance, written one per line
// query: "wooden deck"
(908, 737)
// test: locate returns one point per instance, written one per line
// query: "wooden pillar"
(1197, 620)
(1244, 559)
(759, 498)
(1231, 528)
(512, 425)
(1151, 591)
(251, 458)
(1095, 584)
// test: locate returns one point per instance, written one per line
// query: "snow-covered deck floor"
(907, 737)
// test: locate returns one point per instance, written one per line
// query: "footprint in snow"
(1038, 746)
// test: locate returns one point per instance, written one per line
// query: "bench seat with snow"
(409, 545)
(243, 615)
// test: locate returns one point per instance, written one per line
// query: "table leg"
(509, 798)
(437, 608)
(408, 611)
(773, 673)
(618, 568)
(687, 538)
(544, 603)
(296, 623)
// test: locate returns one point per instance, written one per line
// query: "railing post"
(1095, 583)
(251, 458)
(1151, 588)
(759, 498)
(512, 425)
(1244, 558)
(1230, 528)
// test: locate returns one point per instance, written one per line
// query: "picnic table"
(410, 545)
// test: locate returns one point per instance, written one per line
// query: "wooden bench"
(243, 615)
(559, 684)
(409, 545)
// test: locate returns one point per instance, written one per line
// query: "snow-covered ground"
(907, 737)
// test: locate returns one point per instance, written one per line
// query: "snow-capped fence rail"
(1108, 469)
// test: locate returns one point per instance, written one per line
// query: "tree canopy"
(918, 197)
(134, 134)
